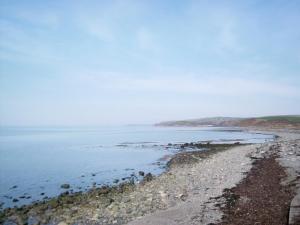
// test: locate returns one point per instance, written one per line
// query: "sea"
(36, 161)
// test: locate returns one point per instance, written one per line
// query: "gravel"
(206, 181)
(188, 193)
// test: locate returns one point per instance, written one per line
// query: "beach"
(133, 112)
(44, 162)
(191, 191)
(203, 186)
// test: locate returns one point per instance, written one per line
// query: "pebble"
(142, 173)
(62, 223)
(65, 186)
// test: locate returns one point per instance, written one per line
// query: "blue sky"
(118, 62)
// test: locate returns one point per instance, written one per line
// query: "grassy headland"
(277, 122)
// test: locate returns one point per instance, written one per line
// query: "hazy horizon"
(99, 125)
(75, 63)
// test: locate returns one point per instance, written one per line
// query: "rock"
(93, 174)
(15, 200)
(67, 200)
(182, 196)
(13, 220)
(13, 187)
(65, 186)
(148, 177)
(33, 220)
(126, 199)
(42, 193)
(53, 203)
(142, 173)
(131, 181)
(116, 181)
(125, 187)
(74, 210)
(65, 193)
(62, 223)
(103, 190)
(107, 201)
(128, 210)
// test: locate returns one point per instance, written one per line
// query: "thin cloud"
(214, 85)
(160, 56)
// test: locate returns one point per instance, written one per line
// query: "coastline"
(181, 195)
(84, 159)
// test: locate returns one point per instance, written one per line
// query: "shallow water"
(34, 161)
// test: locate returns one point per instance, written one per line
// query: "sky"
(144, 61)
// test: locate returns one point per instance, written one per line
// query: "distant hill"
(282, 121)
(212, 121)
(288, 118)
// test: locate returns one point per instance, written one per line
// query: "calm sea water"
(34, 162)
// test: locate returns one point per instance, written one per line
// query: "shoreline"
(107, 194)
(83, 169)
(175, 197)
